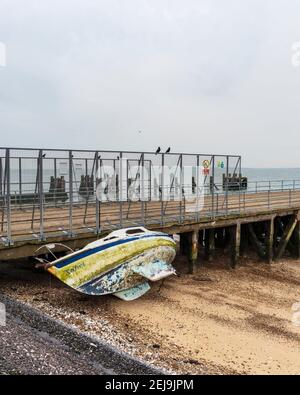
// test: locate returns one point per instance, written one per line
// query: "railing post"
(96, 193)
(240, 174)
(213, 188)
(181, 190)
(8, 205)
(162, 188)
(290, 198)
(20, 177)
(41, 197)
(70, 194)
(226, 183)
(142, 188)
(121, 188)
(1, 177)
(197, 190)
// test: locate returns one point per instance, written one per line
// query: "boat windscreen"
(110, 238)
(134, 231)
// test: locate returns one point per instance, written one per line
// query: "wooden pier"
(267, 222)
(51, 196)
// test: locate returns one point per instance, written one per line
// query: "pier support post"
(286, 236)
(235, 238)
(270, 240)
(193, 253)
(281, 226)
(209, 244)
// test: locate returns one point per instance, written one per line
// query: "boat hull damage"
(121, 264)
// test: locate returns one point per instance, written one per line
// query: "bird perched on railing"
(157, 151)
(168, 150)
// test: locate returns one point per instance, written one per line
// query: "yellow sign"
(206, 164)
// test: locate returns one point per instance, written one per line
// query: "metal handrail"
(118, 151)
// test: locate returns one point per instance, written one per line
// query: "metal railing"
(60, 192)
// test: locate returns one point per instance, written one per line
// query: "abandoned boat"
(121, 263)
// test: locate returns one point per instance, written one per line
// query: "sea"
(273, 178)
(275, 174)
(259, 179)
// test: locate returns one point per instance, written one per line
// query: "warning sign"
(206, 166)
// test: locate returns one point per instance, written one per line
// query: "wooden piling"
(270, 240)
(235, 244)
(289, 229)
(189, 245)
(193, 252)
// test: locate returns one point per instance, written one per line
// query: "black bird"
(44, 155)
(168, 150)
(157, 151)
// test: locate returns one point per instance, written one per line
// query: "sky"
(201, 76)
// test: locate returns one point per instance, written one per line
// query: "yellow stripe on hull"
(83, 270)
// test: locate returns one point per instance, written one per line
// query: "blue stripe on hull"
(92, 251)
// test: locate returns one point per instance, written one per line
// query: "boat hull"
(119, 265)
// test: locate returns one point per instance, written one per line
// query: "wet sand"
(216, 321)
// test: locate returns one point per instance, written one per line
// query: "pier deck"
(171, 217)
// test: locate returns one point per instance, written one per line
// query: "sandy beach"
(216, 321)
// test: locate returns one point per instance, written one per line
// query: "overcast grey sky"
(199, 75)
